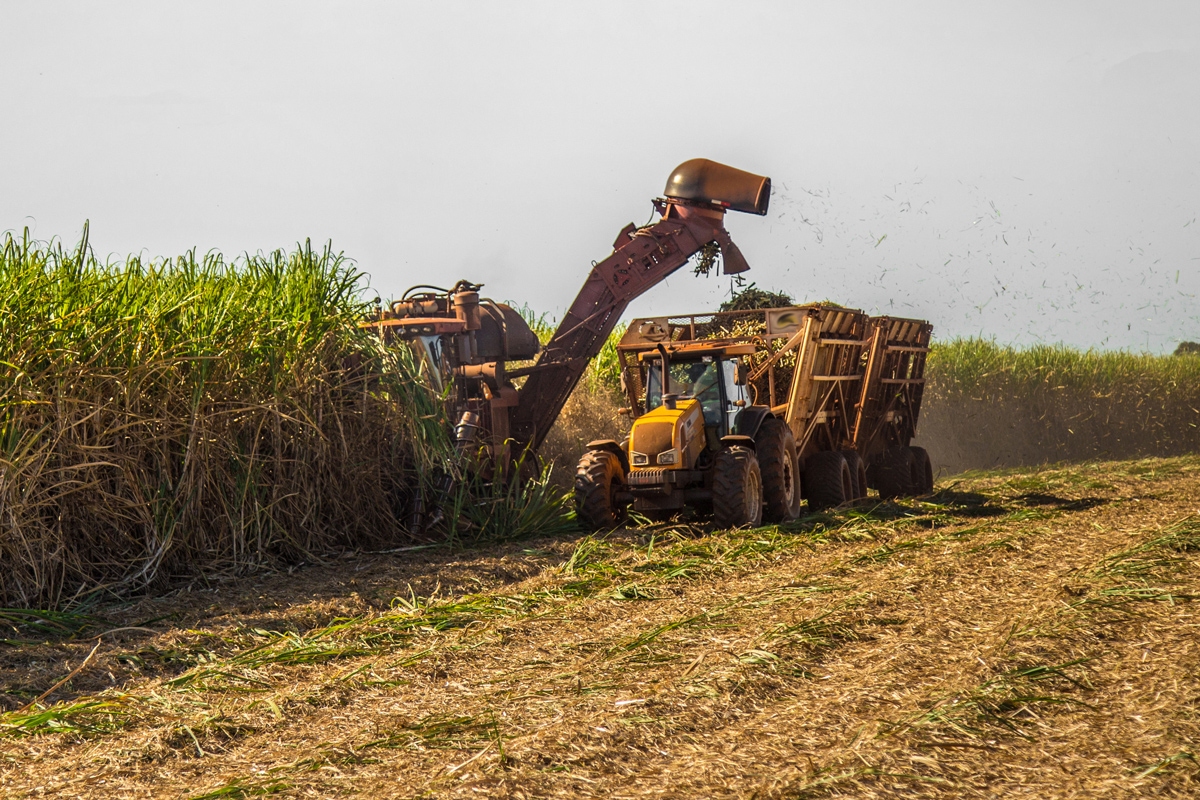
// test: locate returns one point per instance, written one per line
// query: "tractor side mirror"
(743, 374)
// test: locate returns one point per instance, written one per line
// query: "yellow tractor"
(701, 442)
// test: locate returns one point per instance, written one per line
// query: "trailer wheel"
(827, 480)
(775, 448)
(737, 493)
(858, 473)
(922, 471)
(894, 473)
(598, 478)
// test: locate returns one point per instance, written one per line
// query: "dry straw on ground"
(1016, 633)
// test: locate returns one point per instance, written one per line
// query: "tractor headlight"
(669, 457)
(640, 459)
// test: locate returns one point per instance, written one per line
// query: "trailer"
(890, 405)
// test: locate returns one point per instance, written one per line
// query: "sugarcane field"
(355, 443)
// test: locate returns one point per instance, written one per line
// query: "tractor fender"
(734, 439)
(750, 420)
(611, 446)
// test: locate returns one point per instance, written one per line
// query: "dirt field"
(1017, 634)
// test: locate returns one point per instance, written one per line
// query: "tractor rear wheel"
(827, 480)
(598, 478)
(922, 471)
(737, 492)
(858, 473)
(894, 473)
(775, 448)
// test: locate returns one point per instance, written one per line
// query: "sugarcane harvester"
(469, 343)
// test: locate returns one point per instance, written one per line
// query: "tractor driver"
(702, 378)
(698, 379)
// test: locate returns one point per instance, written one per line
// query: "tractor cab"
(693, 397)
(698, 440)
(715, 377)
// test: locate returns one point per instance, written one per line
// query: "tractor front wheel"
(737, 493)
(598, 478)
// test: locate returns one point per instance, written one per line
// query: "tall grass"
(163, 418)
(194, 417)
(991, 405)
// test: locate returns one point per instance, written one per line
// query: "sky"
(1023, 171)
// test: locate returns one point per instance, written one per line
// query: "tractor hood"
(667, 437)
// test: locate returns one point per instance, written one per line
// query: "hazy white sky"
(1029, 171)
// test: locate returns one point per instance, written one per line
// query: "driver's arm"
(704, 383)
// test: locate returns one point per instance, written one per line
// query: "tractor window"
(698, 379)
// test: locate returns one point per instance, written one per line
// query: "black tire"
(858, 473)
(737, 494)
(827, 480)
(922, 471)
(598, 478)
(775, 448)
(894, 473)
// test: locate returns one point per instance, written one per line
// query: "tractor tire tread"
(824, 481)
(858, 473)
(894, 473)
(922, 470)
(776, 450)
(729, 487)
(594, 489)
